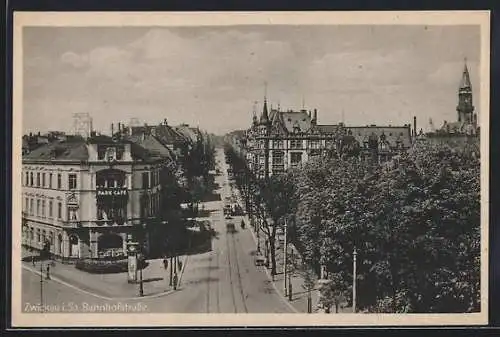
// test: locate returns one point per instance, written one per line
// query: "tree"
(415, 224)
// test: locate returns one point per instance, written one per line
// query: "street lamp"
(258, 234)
(285, 248)
(354, 254)
(43, 254)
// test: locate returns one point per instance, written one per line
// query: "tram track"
(240, 282)
(231, 283)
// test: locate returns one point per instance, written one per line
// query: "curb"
(165, 293)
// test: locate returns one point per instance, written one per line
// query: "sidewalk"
(155, 279)
(299, 292)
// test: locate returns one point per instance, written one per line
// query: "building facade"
(84, 196)
(281, 140)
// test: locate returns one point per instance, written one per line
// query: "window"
(101, 152)
(27, 179)
(59, 210)
(296, 143)
(72, 181)
(32, 233)
(44, 236)
(296, 158)
(72, 214)
(31, 178)
(43, 179)
(26, 204)
(51, 204)
(51, 238)
(314, 144)
(50, 180)
(145, 180)
(59, 181)
(38, 179)
(38, 207)
(32, 208)
(278, 144)
(278, 162)
(43, 207)
(119, 152)
(38, 236)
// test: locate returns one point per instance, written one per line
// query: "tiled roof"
(291, 119)
(327, 128)
(150, 147)
(72, 150)
(168, 135)
(190, 133)
(392, 133)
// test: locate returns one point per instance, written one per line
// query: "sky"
(212, 77)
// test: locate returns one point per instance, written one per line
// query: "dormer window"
(101, 152)
(119, 152)
(110, 154)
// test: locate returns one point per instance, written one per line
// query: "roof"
(190, 133)
(149, 146)
(292, 119)
(74, 149)
(168, 135)
(465, 81)
(391, 133)
(327, 128)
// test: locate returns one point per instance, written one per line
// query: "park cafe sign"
(112, 192)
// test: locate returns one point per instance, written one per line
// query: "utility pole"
(175, 272)
(41, 286)
(290, 291)
(284, 259)
(171, 270)
(258, 234)
(141, 285)
(354, 281)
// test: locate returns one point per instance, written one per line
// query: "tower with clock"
(465, 108)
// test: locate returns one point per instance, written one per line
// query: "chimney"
(112, 129)
(415, 125)
(165, 121)
(315, 116)
(309, 113)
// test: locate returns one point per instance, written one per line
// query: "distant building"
(465, 128)
(280, 140)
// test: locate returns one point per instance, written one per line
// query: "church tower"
(465, 108)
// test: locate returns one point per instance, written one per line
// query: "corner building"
(85, 195)
(282, 140)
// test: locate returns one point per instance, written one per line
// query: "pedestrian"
(48, 272)
(165, 263)
(175, 281)
(33, 260)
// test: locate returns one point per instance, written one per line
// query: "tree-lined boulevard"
(221, 280)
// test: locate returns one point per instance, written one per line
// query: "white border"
(149, 19)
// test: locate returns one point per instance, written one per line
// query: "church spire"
(264, 118)
(254, 114)
(465, 107)
(465, 82)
